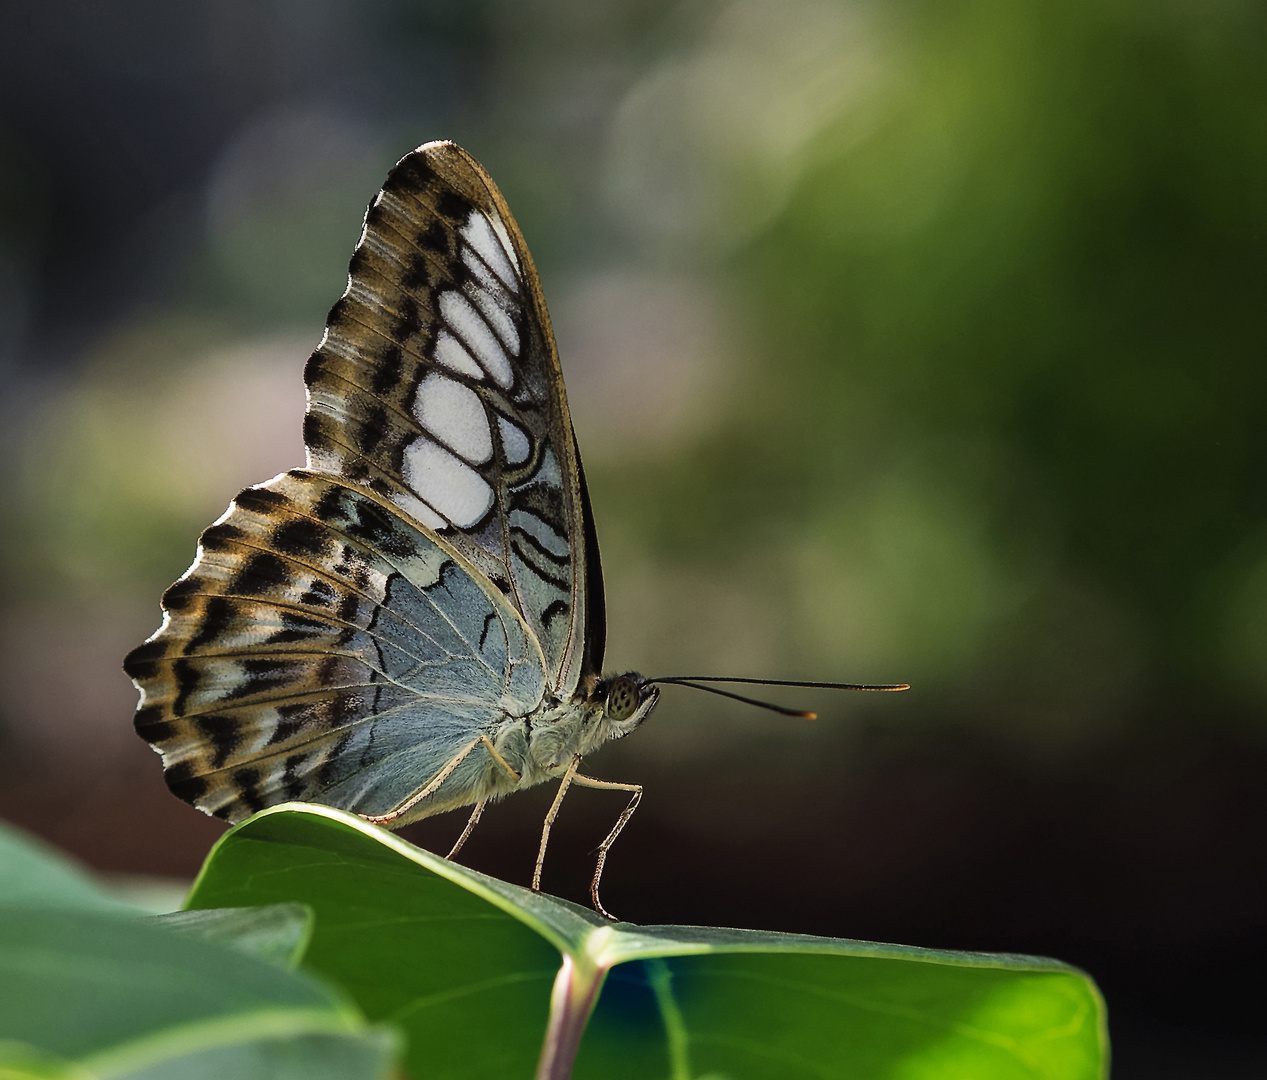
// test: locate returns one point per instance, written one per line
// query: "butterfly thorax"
(541, 744)
(559, 731)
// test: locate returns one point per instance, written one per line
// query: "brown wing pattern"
(437, 385)
(323, 647)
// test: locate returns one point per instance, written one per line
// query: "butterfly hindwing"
(324, 647)
(437, 386)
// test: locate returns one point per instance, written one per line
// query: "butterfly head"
(627, 699)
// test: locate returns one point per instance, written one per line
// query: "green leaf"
(489, 979)
(277, 933)
(455, 966)
(91, 989)
(91, 994)
(19, 1061)
(34, 875)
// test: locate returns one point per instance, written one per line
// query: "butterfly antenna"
(739, 697)
(696, 682)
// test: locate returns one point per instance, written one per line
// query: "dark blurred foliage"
(914, 341)
(1051, 286)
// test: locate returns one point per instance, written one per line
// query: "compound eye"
(622, 698)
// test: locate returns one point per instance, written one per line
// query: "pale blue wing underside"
(354, 655)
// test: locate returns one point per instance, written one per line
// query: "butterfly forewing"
(322, 645)
(437, 386)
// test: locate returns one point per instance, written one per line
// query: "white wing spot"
(514, 441)
(465, 322)
(487, 280)
(419, 510)
(497, 317)
(454, 414)
(499, 227)
(447, 483)
(494, 248)
(452, 354)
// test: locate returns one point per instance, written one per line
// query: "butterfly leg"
(470, 827)
(433, 785)
(549, 822)
(621, 822)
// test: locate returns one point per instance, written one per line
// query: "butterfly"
(414, 622)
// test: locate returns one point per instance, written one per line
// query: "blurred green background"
(904, 341)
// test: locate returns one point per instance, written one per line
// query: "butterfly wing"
(437, 386)
(323, 647)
